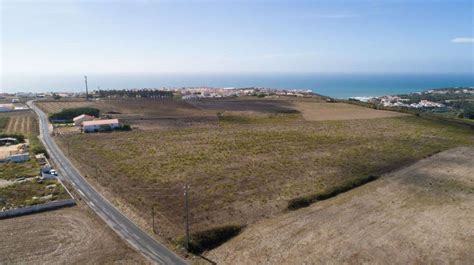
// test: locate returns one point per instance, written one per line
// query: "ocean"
(334, 85)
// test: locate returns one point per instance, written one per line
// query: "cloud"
(463, 40)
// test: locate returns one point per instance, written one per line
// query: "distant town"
(406, 100)
(451, 102)
(186, 93)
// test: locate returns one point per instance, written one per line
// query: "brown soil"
(69, 235)
(421, 214)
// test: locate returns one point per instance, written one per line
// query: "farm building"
(6, 107)
(8, 140)
(92, 126)
(82, 118)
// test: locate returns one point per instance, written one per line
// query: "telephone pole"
(186, 203)
(87, 90)
(153, 217)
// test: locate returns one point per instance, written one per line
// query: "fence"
(37, 208)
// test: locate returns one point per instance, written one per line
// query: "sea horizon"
(337, 85)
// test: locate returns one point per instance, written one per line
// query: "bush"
(211, 238)
(125, 127)
(305, 201)
(36, 146)
(68, 114)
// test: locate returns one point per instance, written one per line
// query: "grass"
(11, 170)
(36, 146)
(29, 193)
(239, 117)
(243, 170)
(3, 123)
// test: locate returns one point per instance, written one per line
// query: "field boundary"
(37, 208)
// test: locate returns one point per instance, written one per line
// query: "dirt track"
(68, 235)
(423, 213)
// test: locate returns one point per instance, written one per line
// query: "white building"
(82, 118)
(6, 107)
(92, 126)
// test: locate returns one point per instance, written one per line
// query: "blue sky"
(236, 36)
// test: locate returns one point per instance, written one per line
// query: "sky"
(72, 37)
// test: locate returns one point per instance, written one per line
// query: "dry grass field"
(66, 236)
(23, 122)
(421, 214)
(340, 111)
(244, 167)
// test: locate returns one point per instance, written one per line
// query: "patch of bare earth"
(317, 111)
(66, 236)
(423, 213)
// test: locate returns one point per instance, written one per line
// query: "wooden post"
(186, 203)
(153, 217)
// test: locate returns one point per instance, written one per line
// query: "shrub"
(125, 127)
(36, 146)
(68, 114)
(305, 201)
(211, 238)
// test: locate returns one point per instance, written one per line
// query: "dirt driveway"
(423, 214)
(66, 236)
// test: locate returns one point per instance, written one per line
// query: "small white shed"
(82, 118)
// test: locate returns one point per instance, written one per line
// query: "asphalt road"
(125, 228)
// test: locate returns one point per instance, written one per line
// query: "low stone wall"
(37, 208)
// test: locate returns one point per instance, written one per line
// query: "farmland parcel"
(244, 159)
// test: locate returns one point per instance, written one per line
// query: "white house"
(6, 107)
(82, 118)
(92, 126)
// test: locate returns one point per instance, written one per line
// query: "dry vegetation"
(22, 122)
(66, 236)
(341, 111)
(422, 214)
(248, 162)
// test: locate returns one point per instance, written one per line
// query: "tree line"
(142, 93)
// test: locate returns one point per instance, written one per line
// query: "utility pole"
(186, 203)
(153, 217)
(67, 143)
(87, 90)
